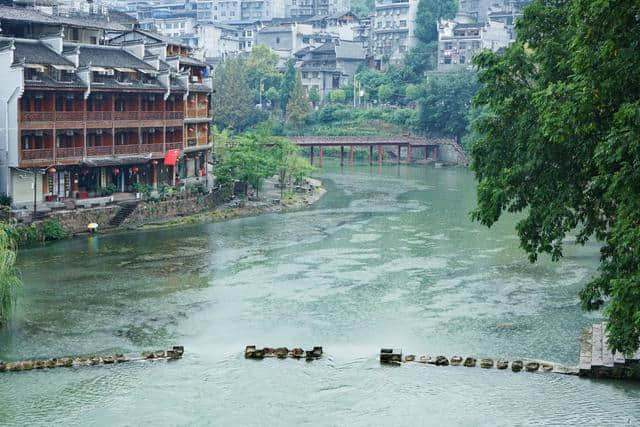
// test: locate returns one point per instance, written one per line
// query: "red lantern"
(134, 169)
(154, 162)
(51, 170)
(116, 171)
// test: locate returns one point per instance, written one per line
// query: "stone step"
(596, 345)
(607, 355)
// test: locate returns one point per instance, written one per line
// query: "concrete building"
(393, 24)
(342, 24)
(219, 41)
(305, 9)
(459, 40)
(330, 66)
(77, 117)
(287, 38)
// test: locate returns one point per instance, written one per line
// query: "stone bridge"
(431, 146)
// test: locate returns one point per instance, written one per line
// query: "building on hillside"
(393, 24)
(286, 38)
(80, 117)
(218, 42)
(459, 41)
(342, 24)
(305, 9)
(330, 66)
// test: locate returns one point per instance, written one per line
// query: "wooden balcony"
(39, 154)
(104, 150)
(175, 145)
(127, 149)
(99, 119)
(70, 152)
(151, 148)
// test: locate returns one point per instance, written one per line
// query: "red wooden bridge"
(430, 145)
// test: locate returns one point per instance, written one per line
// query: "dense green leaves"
(9, 281)
(298, 108)
(558, 140)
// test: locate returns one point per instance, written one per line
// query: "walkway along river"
(387, 258)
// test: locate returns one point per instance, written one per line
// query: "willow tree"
(9, 281)
(558, 142)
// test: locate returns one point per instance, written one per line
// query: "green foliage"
(53, 230)
(144, 189)
(385, 93)
(298, 107)
(272, 95)
(288, 84)
(412, 92)
(362, 8)
(314, 96)
(337, 96)
(108, 189)
(9, 280)
(427, 16)
(261, 67)
(558, 142)
(445, 103)
(5, 200)
(289, 165)
(166, 191)
(232, 108)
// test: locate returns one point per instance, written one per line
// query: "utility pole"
(354, 90)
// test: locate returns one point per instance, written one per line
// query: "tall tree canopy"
(232, 108)
(288, 83)
(427, 15)
(558, 140)
(298, 108)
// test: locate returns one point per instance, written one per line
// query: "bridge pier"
(342, 155)
(379, 154)
(311, 156)
(371, 155)
(399, 146)
(408, 153)
(351, 156)
(320, 154)
(435, 153)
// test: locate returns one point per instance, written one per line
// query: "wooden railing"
(151, 148)
(99, 115)
(104, 150)
(69, 152)
(127, 149)
(174, 145)
(39, 154)
(48, 116)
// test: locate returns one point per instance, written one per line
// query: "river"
(387, 258)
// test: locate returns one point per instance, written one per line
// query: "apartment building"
(393, 29)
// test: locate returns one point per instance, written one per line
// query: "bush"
(108, 189)
(5, 200)
(53, 230)
(144, 189)
(337, 96)
(166, 191)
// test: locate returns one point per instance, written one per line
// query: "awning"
(171, 157)
(101, 69)
(142, 70)
(125, 70)
(63, 67)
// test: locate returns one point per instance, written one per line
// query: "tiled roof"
(46, 81)
(153, 36)
(108, 56)
(199, 87)
(36, 52)
(187, 60)
(10, 13)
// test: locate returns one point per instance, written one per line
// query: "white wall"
(11, 88)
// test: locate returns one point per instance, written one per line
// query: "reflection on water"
(387, 258)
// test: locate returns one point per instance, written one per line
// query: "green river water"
(387, 258)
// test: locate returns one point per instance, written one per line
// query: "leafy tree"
(412, 92)
(247, 160)
(385, 92)
(288, 84)
(445, 103)
(221, 141)
(298, 107)
(232, 108)
(427, 16)
(362, 8)
(272, 95)
(314, 96)
(288, 163)
(261, 67)
(337, 96)
(558, 142)
(9, 281)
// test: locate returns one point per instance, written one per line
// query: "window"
(403, 23)
(448, 46)
(462, 59)
(462, 45)
(379, 24)
(315, 74)
(248, 44)
(277, 40)
(93, 40)
(447, 60)
(476, 45)
(120, 104)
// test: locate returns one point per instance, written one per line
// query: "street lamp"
(50, 170)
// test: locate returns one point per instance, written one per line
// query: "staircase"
(123, 213)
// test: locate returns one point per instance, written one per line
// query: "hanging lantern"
(154, 162)
(134, 169)
(51, 170)
(116, 171)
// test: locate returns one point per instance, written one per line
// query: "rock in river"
(516, 365)
(470, 362)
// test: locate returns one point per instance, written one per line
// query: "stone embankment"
(175, 352)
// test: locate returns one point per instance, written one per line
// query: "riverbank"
(268, 202)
